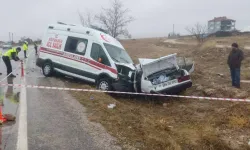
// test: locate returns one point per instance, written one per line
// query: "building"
(246, 29)
(221, 24)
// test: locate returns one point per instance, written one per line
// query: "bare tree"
(86, 20)
(115, 19)
(198, 31)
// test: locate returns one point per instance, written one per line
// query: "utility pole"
(173, 29)
(9, 37)
(12, 38)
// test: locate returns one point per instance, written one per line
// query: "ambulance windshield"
(118, 54)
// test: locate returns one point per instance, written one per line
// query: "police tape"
(18, 67)
(127, 93)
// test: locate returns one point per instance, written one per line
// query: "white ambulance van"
(92, 55)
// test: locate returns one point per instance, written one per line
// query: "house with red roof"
(221, 24)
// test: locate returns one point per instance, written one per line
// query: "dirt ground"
(164, 123)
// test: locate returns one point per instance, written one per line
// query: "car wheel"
(47, 69)
(104, 85)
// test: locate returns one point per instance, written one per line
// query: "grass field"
(163, 123)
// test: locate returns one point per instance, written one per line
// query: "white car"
(95, 56)
(162, 75)
(7, 46)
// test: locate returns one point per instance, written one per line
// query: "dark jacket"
(15, 57)
(235, 58)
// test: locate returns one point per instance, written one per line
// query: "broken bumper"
(174, 90)
(123, 86)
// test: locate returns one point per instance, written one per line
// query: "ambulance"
(90, 54)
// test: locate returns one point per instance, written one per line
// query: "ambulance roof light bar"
(59, 22)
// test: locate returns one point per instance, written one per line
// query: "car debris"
(111, 106)
(220, 74)
(165, 104)
(7, 45)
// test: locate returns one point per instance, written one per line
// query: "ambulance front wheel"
(104, 84)
(47, 69)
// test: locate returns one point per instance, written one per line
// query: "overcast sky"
(154, 18)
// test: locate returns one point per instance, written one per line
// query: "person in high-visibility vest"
(25, 48)
(9, 55)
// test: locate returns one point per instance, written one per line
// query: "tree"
(115, 19)
(23, 39)
(38, 41)
(86, 20)
(198, 31)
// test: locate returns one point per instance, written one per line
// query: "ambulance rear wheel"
(47, 69)
(104, 85)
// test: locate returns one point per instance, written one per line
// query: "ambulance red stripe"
(69, 58)
(84, 60)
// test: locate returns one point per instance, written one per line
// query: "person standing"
(35, 46)
(9, 55)
(25, 48)
(234, 62)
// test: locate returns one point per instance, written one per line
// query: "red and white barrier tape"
(18, 67)
(128, 93)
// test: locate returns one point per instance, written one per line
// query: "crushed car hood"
(150, 66)
(131, 66)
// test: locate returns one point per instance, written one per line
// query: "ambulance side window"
(76, 45)
(98, 54)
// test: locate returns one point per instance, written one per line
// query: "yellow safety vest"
(25, 47)
(9, 52)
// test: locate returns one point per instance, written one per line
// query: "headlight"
(161, 78)
(130, 74)
(154, 81)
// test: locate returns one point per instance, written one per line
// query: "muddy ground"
(164, 123)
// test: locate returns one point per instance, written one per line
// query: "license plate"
(169, 83)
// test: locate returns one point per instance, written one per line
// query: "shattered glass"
(160, 79)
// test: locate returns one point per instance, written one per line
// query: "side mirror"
(100, 60)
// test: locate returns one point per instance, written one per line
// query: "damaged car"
(163, 75)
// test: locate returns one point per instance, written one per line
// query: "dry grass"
(145, 123)
(246, 74)
(241, 40)
(208, 45)
(238, 121)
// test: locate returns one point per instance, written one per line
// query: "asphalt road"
(47, 119)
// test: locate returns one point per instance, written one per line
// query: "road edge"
(22, 139)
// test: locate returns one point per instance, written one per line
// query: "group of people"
(12, 54)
